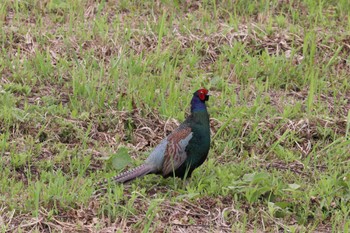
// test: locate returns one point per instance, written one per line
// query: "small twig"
(26, 225)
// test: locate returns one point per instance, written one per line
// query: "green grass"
(79, 80)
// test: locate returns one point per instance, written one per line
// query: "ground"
(83, 82)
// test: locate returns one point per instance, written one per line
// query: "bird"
(182, 151)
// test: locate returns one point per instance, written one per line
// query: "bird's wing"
(175, 153)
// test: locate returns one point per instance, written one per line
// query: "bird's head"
(202, 94)
(198, 100)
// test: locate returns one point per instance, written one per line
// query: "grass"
(81, 79)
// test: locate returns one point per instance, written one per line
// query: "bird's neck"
(197, 105)
(199, 112)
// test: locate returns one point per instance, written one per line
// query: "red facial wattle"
(203, 94)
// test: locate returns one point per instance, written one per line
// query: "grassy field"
(82, 79)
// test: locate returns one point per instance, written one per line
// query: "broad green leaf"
(248, 177)
(120, 159)
(283, 204)
(293, 186)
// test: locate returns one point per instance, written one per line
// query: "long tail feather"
(130, 175)
(134, 173)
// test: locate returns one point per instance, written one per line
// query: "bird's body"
(183, 150)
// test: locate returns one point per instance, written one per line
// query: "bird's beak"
(207, 97)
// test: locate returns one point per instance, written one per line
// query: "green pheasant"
(185, 149)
